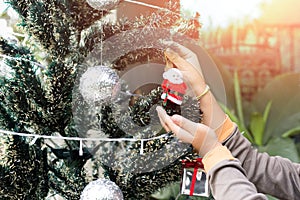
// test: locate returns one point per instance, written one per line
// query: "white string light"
(80, 148)
(82, 138)
(142, 147)
(36, 136)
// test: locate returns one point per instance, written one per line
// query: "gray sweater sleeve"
(228, 181)
(272, 175)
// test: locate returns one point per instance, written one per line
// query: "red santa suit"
(173, 86)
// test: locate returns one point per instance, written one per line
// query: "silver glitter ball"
(101, 189)
(103, 4)
(99, 84)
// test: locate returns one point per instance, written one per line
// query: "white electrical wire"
(36, 136)
(82, 138)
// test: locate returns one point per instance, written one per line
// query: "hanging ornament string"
(101, 60)
(80, 139)
(101, 40)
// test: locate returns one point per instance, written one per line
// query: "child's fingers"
(164, 118)
(184, 136)
(164, 125)
(185, 124)
(178, 61)
(180, 133)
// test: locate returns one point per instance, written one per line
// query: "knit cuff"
(216, 155)
(225, 129)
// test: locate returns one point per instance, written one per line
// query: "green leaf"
(257, 127)
(238, 98)
(284, 115)
(229, 112)
(271, 197)
(291, 132)
(235, 119)
(267, 111)
(167, 192)
(284, 147)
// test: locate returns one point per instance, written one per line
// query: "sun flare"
(221, 13)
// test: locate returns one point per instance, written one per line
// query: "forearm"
(213, 115)
(271, 175)
(226, 176)
(228, 181)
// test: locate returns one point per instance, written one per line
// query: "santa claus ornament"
(173, 86)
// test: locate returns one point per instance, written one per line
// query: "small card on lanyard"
(194, 181)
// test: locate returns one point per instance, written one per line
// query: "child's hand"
(187, 62)
(199, 135)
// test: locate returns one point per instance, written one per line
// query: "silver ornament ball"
(101, 189)
(103, 4)
(99, 84)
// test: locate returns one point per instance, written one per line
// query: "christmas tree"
(79, 90)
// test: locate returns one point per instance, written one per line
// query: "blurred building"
(260, 49)
(282, 20)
